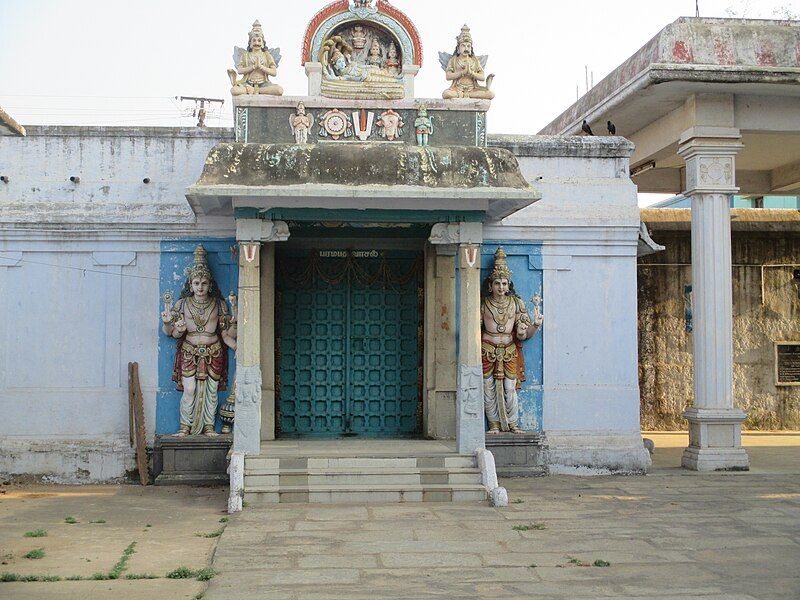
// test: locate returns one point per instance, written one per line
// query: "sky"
(123, 63)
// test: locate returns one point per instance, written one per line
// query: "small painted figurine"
(423, 126)
(256, 65)
(375, 57)
(359, 37)
(300, 123)
(392, 63)
(505, 324)
(201, 323)
(465, 70)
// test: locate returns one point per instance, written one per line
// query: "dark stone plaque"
(788, 363)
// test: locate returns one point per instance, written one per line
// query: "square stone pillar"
(470, 433)
(715, 441)
(251, 233)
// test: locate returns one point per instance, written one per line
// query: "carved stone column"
(247, 425)
(714, 424)
(470, 434)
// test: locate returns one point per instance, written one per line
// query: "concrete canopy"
(737, 76)
(353, 176)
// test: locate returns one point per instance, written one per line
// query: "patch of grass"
(141, 576)
(37, 553)
(212, 534)
(36, 533)
(12, 577)
(180, 573)
(533, 565)
(122, 563)
(98, 521)
(223, 520)
(70, 520)
(518, 501)
(100, 577)
(199, 596)
(529, 527)
(245, 504)
(205, 574)
(601, 563)
(74, 578)
(186, 573)
(148, 525)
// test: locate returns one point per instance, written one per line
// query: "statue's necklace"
(199, 316)
(498, 312)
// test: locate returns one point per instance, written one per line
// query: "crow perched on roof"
(612, 129)
(586, 129)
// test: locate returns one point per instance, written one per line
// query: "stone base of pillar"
(594, 453)
(715, 440)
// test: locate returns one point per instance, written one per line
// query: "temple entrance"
(348, 343)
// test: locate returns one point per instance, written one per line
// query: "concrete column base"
(715, 440)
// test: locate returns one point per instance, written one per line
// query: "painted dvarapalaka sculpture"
(256, 65)
(505, 324)
(204, 328)
(465, 70)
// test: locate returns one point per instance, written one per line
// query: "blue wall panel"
(176, 256)
(524, 260)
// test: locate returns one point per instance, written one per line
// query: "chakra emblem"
(335, 124)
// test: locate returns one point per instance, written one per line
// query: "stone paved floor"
(671, 534)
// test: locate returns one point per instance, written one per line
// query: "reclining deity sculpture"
(344, 77)
(465, 70)
(256, 65)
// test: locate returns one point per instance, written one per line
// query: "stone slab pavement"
(164, 523)
(670, 534)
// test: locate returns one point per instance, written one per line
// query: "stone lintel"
(261, 230)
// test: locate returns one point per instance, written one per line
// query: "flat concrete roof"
(696, 72)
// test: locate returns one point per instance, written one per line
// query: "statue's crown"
(501, 270)
(465, 35)
(256, 30)
(199, 266)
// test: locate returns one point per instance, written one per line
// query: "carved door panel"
(348, 352)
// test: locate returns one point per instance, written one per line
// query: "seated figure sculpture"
(201, 323)
(465, 70)
(256, 65)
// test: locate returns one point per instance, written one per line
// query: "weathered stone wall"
(665, 344)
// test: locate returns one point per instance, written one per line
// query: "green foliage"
(70, 520)
(140, 576)
(518, 501)
(223, 520)
(122, 562)
(12, 577)
(529, 527)
(100, 576)
(601, 563)
(36, 533)
(37, 553)
(180, 573)
(186, 573)
(212, 534)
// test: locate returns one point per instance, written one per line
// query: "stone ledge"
(218, 133)
(572, 146)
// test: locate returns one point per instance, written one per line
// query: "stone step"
(364, 494)
(360, 476)
(326, 462)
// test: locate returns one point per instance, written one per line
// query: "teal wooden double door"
(348, 331)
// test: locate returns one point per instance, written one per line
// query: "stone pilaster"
(249, 361)
(714, 422)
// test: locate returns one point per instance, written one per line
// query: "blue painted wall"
(524, 260)
(176, 255)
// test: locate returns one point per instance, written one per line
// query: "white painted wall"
(79, 268)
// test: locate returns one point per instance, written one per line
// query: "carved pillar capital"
(456, 233)
(710, 156)
(260, 230)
